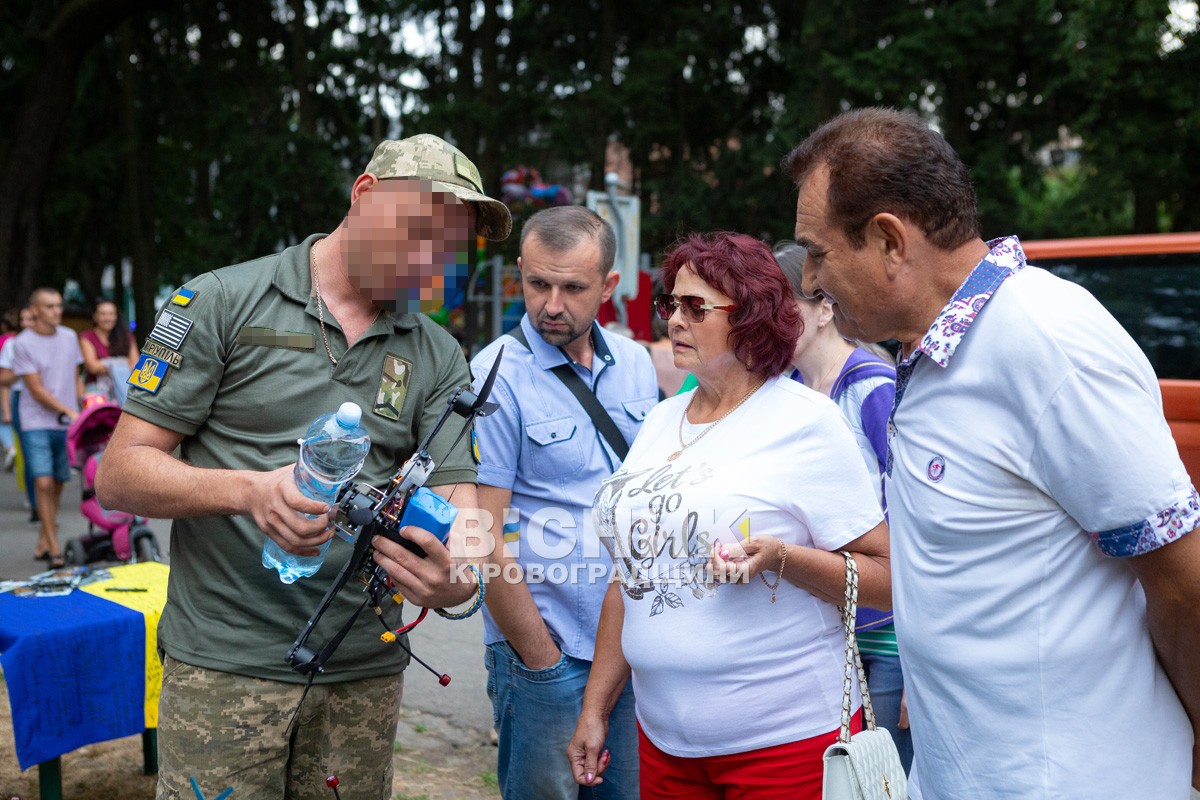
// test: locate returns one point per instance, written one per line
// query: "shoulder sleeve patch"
(148, 374)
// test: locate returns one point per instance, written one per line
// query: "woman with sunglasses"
(863, 385)
(724, 524)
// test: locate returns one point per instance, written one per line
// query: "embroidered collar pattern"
(1004, 259)
(941, 340)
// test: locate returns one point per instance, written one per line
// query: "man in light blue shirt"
(542, 459)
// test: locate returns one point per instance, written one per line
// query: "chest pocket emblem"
(936, 469)
(393, 386)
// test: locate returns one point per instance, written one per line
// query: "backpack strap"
(861, 371)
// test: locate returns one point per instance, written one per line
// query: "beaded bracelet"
(480, 593)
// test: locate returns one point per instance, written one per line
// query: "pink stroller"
(112, 535)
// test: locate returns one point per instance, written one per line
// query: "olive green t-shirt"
(236, 364)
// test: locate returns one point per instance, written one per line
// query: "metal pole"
(611, 181)
(497, 268)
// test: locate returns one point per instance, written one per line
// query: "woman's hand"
(734, 562)
(588, 762)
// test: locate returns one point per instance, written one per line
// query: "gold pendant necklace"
(685, 445)
(312, 261)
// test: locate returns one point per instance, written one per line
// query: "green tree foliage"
(179, 136)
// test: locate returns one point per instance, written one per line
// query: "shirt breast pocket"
(555, 447)
(638, 409)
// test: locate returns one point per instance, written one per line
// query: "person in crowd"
(542, 458)
(863, 386)
(1047, 592)
(738, 683)
(11, 386)
(10, 326)
(109, 352)
(239, 361)
(46, 358)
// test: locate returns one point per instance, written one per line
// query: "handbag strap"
(591, 404)
(853, 658)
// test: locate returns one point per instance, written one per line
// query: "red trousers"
(790, 771)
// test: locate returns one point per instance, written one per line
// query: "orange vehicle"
(1151, 284)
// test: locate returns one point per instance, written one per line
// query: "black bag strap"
(598, 414)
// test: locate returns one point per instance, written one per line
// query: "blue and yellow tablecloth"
(83, 668)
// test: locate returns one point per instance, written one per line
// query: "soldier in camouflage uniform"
(239, 361)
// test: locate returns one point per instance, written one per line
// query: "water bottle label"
(331, 453)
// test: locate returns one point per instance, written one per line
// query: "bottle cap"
(349, 415)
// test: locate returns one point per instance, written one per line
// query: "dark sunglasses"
(693, 307)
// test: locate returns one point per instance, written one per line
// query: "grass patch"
(419, 767)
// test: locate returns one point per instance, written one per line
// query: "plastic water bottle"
(331, 453)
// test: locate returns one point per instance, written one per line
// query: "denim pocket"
(173, 668)
(550, 673)
(489, 662)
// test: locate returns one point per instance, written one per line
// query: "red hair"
(765, 323)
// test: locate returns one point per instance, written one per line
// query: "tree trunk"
(49, 96)
(145, 268)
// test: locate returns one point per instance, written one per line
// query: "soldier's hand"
(433, 582)
(283, 513)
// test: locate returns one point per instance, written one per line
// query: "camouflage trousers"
(229, 730)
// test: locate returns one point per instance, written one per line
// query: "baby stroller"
(112, 535)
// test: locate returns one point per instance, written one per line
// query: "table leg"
(150, 751)
(50, 779)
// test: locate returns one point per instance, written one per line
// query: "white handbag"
(865, 766)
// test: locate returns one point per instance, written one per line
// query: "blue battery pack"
(432, 512)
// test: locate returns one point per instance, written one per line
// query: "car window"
(1156, 298)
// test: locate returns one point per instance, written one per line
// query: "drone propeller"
(470, 405)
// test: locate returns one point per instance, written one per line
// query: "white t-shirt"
(784, 464)
(1028, 663)
(6, 362)
(851, 402)
(55, 358)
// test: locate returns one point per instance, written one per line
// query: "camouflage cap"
(429, 158)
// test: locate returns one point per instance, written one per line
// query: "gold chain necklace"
(685, 445)
(312, 260)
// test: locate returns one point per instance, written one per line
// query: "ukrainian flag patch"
(148, 374)
(183, 297)
(512, 532)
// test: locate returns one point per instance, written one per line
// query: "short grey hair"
(563, 228)
(791, 258)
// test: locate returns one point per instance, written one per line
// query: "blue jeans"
(535, 712)
(885, 680)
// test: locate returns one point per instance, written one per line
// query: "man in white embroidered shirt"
(1047, 595)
